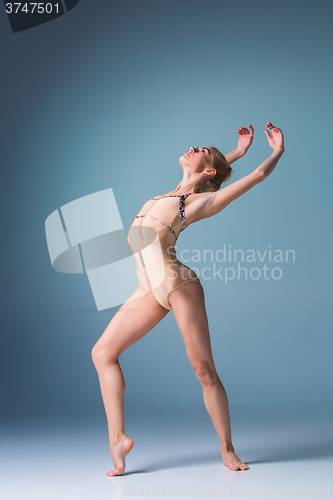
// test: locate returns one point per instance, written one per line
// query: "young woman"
(167, 284)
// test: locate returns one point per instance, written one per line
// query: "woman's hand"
(244, 142)
(245, 138)
(276, 139)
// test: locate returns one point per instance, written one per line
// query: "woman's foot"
(119, 449)
(231, 460)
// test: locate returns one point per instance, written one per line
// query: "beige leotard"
(151, 238)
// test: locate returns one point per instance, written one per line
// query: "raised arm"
(244, 142)
(214, 202)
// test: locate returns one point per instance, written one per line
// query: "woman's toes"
(115, 472)
(232, 467)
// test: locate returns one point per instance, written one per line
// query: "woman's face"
(196, 158)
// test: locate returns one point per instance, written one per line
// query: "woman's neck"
(189, 185)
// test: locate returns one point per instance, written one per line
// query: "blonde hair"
(223, 171)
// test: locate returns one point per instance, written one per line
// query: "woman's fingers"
(250, 131)
(271, 127)
(274, 136)
(244, 130)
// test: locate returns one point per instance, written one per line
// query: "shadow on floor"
(290, 452)
(298, 451)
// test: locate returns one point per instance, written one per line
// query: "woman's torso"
(152, 237)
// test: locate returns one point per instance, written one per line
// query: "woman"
(167, 284)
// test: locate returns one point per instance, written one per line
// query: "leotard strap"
(171, 196)
(153, 217)
(181, 210)
(182, 199)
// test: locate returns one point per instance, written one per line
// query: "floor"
(289, 452)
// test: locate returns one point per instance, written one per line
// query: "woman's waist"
(140, 237)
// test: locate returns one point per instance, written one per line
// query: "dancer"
(167, 284)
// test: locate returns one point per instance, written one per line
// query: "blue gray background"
(110, 95)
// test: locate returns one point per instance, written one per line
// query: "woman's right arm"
(216, 201)
(244, 142)
(276, 142)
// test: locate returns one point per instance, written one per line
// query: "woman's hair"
(223, 171)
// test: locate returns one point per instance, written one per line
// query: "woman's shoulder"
(161, 195)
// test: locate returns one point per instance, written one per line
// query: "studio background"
(111, 95)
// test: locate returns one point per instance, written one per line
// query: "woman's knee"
(100, 355)
(205, 372)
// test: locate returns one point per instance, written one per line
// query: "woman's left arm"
(244, 142)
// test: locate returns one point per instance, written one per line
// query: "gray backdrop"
(110, 95)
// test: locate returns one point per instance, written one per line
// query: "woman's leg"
(188, 305)
(136, 317)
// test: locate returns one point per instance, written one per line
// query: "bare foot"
(119, 449)
(231, 461)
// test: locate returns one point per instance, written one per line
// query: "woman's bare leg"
(187, 302)
(136, 317)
